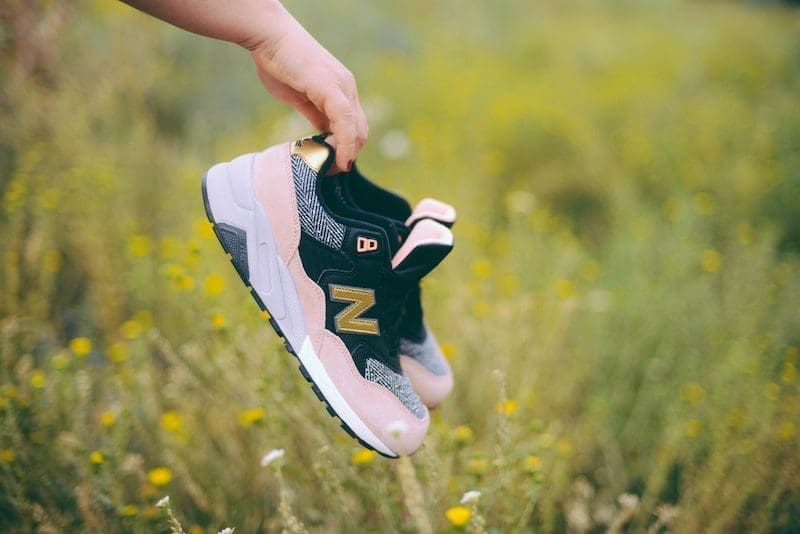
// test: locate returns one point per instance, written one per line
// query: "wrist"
(268, 24)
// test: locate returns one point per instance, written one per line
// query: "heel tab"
(315, 153)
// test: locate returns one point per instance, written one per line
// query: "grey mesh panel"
(314, 220)
(427, 353)
(398, 384)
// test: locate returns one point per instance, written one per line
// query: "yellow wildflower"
(736, 418)
(145, 318)
(482, 268)
(363, 457)
(192, 257)
(171, 421)
(214, 284)
(203, 229)
(772, 391)
(169, 247)
(787, 430)
(184, 282)
(107, 418)
(96, 457)
(693, 428)
(449, 350)
(533, 463)
(196, 529)
(788, 373)
(508, 407)
(159, 476)
(565, 288)
(704, 204)
(51, 261)
(481, 309)
(250, 416)
(60, 360)
(693, 393)
(745, 233)
(462, 433)
(218, 320)
(50, 199)
(129, 510)
(7, 456)
(711, 260)
(147, 491)
(131, 329)
(477, 466)
(139, 245)
(37, 378)
(117, 352)
(80, 346)
(509, 285)
(458, 515)
(172, 270)
(564, 447)
(671, 208)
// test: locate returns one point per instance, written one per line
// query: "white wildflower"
(470, 497)
(520, 202)
(163, 502)
(397, 428)
(395, 144)
(227, 530)
(270, 457)
(628, 501)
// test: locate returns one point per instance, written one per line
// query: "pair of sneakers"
(337, 261)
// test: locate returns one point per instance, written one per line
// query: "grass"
(620, 310)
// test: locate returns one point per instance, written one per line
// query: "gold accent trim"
(349, 320)
(313, 153)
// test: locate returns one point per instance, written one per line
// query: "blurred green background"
(621, 309)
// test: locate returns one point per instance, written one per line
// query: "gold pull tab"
(313, 153)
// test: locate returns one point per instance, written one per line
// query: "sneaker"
(421, 358)
(333, 285)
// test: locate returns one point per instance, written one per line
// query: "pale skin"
(290, 63)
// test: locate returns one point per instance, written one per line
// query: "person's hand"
(293, 66)
(297, 70)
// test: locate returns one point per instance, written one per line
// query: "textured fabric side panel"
(398, 384)
(314, 220)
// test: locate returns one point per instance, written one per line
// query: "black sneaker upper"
(348, 253)
(365, 197)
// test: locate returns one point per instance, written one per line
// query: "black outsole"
(274, 324)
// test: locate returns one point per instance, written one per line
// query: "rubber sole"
(221, 231)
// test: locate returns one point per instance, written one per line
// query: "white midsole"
(229, 188)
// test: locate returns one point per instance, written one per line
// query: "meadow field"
(621, 310)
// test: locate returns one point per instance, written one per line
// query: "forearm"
(249, 23)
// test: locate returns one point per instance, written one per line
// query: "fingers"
(306, 76)
(362, 128)
(347, 119)
(341, 115)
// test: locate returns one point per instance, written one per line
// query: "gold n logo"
(349, 319)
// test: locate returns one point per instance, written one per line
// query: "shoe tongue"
(425, 247)
(430, 208)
